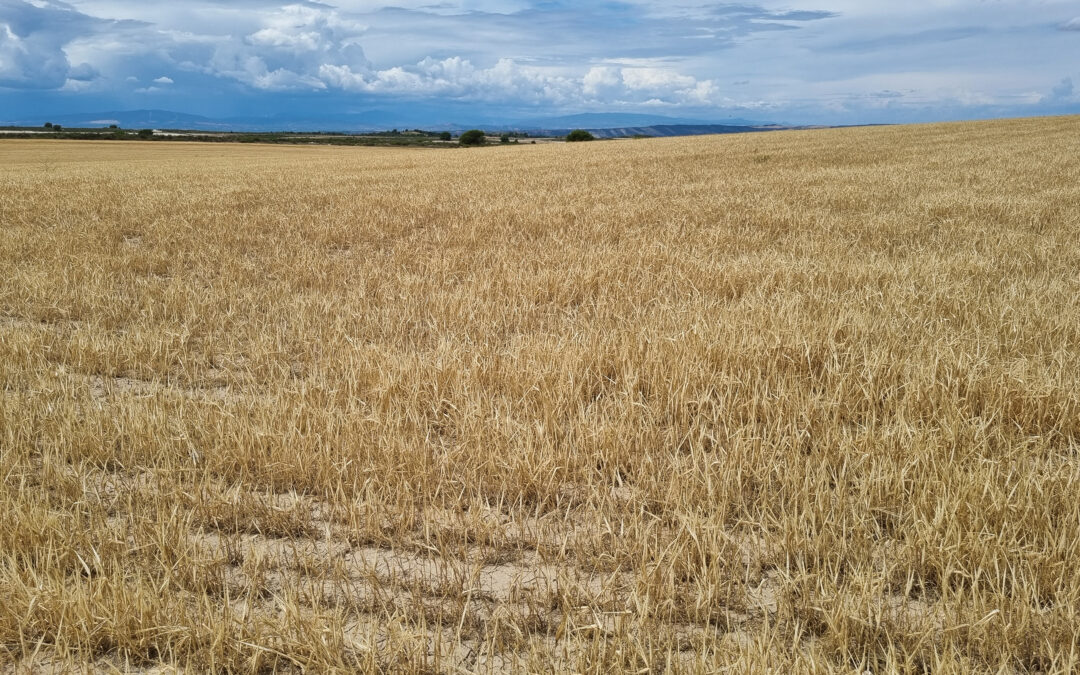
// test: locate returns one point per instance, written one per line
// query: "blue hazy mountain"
(617, 124)
(129, 119)
(619, 120)
(168, 119)
(368, 120)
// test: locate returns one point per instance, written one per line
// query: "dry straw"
(800, 401)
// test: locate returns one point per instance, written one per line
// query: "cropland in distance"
(804, 401)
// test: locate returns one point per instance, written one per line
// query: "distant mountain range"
(374, 120)
(616, 120)
(129, 119)
(672, 130)
(605, 125)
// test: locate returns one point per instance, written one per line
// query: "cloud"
(656, 82)
(290, 48)
(1074, 24)
(759, 13)
(602, 82)
(34, 37)
(1063, 92)
(557, 50)
(83, 72)
(458, 78)
(802, 16)
(301, 29)
(648, 84)
(889, 42)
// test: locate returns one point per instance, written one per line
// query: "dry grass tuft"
(802, 401)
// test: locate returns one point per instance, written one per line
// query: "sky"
(788, 61)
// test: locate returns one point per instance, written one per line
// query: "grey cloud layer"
(32, 42)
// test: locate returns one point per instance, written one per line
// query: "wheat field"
(788, 402)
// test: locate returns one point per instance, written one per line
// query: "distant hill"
(369, 120)
(167, 119)
(133, 119)
(619, 120)
(603, 125)
(667, 130)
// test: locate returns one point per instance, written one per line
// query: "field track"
(787, 402)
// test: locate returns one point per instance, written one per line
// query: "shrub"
(146, 133)
(578, 135)
(57, 127)
(446, 136)
(505, 138)
(472, 137)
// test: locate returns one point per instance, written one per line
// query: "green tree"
(505, 138)
(146, 133)
(446, 136)
(48, 125)
(472, 137)
(579, 135)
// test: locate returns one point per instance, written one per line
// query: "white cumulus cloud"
(459, 78)
(287, 50)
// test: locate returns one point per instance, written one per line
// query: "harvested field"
(789, 402)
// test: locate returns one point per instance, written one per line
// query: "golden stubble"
(798, 401)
